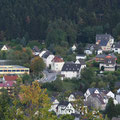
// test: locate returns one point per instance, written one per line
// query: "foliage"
(37, 65)
(110, 109)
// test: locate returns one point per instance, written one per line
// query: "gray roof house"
(105, 41)
(75, 95)
(65, 107)
(71, 70)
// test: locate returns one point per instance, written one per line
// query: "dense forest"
(58, 21)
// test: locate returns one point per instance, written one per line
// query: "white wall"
(70, 74)
(4, 48)
(71, 98)
(118, 98)
(116, 50)
(57, 66)
(65, 110)
(49, 59)
(88, 52)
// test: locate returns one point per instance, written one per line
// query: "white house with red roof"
(57, 64)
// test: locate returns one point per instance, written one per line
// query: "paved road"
(49, 76)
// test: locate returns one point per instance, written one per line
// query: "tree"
(32, 103)
(26, 79)
(110, 109)
(4, 103)
(37, 65)
(67, 117)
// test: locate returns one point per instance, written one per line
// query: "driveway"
(49, 76)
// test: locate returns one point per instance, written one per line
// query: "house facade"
(116, 47)
(81, 57)
(71, 70)
(64, 108)
(109, 64)
(89, 49)
(57, 64)
(54, 105)
(47, 57)
(4, 48)
(75, 95)
(91, 91)
(96, 101)
(81, 62)
(105, 41)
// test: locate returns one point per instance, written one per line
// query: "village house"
(97, 49)
(81, 57)
(36, 51)
(89, 49)
(96, 101)
(81, 62)
(91, 91)
(10, 78)
(116, 47)
(75, 95)
(47, 57)
(71, 70)
(57, 63)
(105, 41)
(100, 57)
(73, 48)
(5, 48)
(7, 82)
(65, 107)
(54, 105)
(109, 64)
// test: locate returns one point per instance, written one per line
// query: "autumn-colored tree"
(33, 103)
(37, 65)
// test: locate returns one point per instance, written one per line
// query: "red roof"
(7, 84)
(10, 78)
(108, 56)
(57, 59)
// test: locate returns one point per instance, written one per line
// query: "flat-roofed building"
(13, 69)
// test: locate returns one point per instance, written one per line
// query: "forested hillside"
(59, 20)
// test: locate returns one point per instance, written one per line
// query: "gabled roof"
(7, 84)
(82, 62)
(46, 54)
(103, 39)
(53, 99)
(10, 78)
(63, 103)
(71, 66)
(57, 59)
(36, 49)
(109, 60)
(99, 97)
(92, 90)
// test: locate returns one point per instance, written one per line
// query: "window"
(1, 70)
(9, 70)
(18, 70)
(5, 70)
(13, 70)
(26, 70)
(22, 70)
